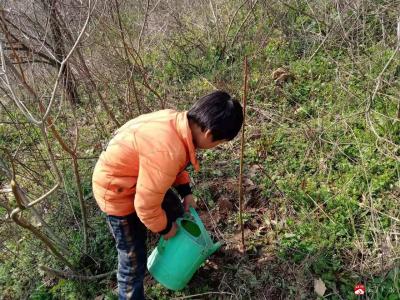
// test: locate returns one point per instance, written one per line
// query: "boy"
(144, 159)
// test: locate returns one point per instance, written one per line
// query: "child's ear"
(208, 134)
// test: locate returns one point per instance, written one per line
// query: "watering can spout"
(215, 247)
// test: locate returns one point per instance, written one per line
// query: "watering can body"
(173, 262)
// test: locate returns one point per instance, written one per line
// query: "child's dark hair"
(218, 112)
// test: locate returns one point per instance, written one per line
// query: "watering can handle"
(161, 245)
(197, 219)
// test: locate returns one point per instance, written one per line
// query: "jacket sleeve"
(156, 175)
(182, 178)
(182, 184)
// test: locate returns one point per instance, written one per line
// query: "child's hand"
(172, 232)
(189, 201)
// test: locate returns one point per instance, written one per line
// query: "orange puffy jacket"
(142, 161)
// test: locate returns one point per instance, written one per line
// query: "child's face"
(204, 140)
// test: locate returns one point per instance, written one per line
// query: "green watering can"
(173, 262)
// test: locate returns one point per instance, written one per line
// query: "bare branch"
(65, 275)
(144, 25)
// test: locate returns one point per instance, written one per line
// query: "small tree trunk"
(81, 201)
(245, 87)
(68, 79)
(53, 249)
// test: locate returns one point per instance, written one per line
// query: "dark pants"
(130, 236)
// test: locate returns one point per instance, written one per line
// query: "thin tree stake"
(245, 88)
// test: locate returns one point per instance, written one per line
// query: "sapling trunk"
(245, 87)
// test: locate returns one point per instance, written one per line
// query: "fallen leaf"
(211, 265)
(265, 259)
(217, 173)
(319, 287)
(251, 188)
(248, 182)
(262, 229)
(282, 75)
(254, 169)
(278, 72)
